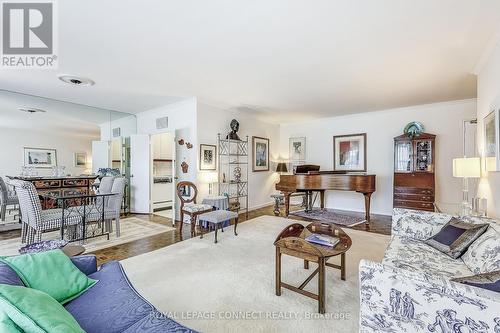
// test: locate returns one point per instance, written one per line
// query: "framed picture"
(80, 160)
(260, 150)
(349, 152)
(40, 158)
(491, 141)
(208, 157)
(297, 149)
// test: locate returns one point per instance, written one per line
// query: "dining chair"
(114, 203)
(7, 198)
(35, 220)
(187, 192)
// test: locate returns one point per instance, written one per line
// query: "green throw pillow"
(51, 272)
(34, 311)
(7, 325)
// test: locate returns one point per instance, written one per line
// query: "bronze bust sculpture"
(235, 126)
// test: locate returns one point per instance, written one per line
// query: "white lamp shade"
(467, 167)
(210, 177)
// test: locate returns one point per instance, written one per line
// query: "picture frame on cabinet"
(491, 140)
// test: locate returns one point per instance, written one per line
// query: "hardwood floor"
(379, 224)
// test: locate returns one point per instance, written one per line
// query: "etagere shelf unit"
(233, 172)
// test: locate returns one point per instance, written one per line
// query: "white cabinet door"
(140, 174)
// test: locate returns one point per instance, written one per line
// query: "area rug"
(131, 229)
(230, 286)
(327, 215)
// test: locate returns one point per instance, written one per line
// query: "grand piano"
(308, 179)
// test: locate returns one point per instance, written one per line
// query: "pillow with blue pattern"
(490, 281)
(455, 237)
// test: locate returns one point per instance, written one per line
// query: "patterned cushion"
(490, 281)
(417, 224)
(455, 237)
(416, 256)
(193, 208)
(483, 255)
(218, 216)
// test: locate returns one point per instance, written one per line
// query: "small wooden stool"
(217, 217)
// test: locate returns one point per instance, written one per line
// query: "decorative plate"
(414, 129)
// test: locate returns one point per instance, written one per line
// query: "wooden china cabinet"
(414, 172)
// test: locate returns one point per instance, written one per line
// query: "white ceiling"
(285, 60)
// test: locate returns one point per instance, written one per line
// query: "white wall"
(127, 125)
(212, 120)
(181, 121)
(442, 119)
(13, 141)
(488, 99)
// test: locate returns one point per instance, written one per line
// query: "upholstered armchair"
(8, 197)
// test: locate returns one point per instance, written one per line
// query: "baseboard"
(270, 203)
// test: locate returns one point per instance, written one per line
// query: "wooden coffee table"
(291, 241)
(73, 250)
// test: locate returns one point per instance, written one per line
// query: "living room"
(250, 167)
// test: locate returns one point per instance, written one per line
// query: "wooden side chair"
(187, 192)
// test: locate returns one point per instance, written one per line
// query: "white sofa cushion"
(483, 256)
(416, 256)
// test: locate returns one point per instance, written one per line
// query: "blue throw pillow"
(455, 237)
(9, 276)
(490, 281)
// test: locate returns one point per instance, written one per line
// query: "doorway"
(163, 175)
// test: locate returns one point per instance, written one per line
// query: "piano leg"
(322, 199)
(367, 207)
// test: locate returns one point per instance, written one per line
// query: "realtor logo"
(28, 32)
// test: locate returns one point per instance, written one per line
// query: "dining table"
(87, 207)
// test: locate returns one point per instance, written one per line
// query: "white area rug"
(132, 228)
(231, 284)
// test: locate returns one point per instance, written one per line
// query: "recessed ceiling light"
(32, 110)
(76, 80)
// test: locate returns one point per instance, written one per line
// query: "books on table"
(322, 240)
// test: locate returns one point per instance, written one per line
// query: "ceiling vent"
(162, 123)
(31, 110)
(117, 132)
(76, 80)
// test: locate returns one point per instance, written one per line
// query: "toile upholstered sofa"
(411, 289)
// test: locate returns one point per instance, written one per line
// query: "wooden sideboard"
(414, 172)
(60, 185)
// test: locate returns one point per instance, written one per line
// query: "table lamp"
(465, 168)
(210, 178)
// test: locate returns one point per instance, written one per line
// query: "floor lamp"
(465, 168)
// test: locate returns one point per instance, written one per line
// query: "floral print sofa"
(411, 291)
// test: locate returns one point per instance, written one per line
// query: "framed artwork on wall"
(297, 149)
(208, 157)
(40, 157)
(260, 149)
(491, 141)
(349, 152)
(80, 160)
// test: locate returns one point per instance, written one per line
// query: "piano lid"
(305, 169)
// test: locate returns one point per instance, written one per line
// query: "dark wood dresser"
(414, 169)
(60, 185)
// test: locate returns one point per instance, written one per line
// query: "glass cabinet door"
(404, 156)
(423, 157)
